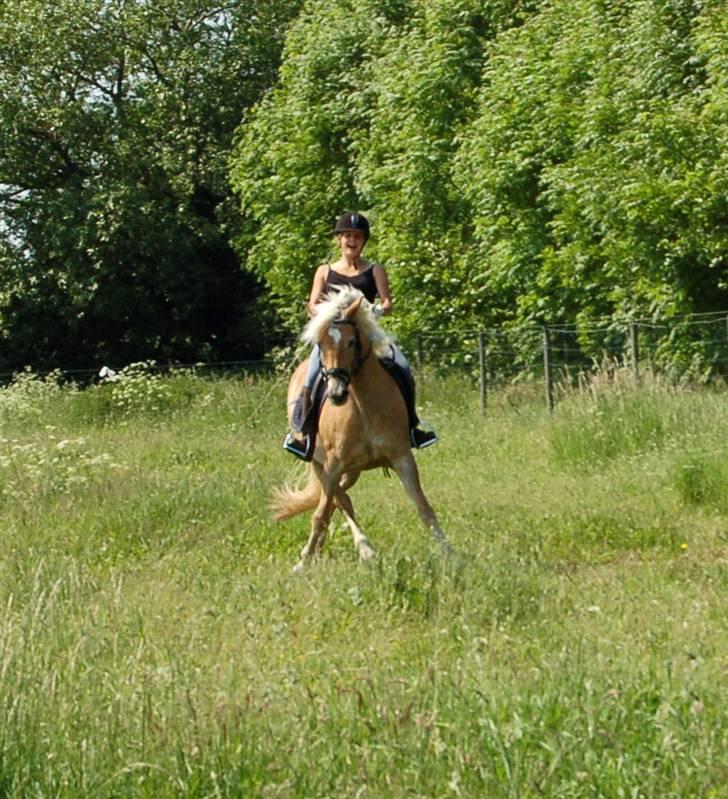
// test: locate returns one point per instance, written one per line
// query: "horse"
(363, 424)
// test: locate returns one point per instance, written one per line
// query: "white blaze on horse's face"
(338, 356)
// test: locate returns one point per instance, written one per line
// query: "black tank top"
(364, 281)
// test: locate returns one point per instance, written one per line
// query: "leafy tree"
(294, 165)
(531, 101)
(366, 115)
(424, 89)
(521, 161)
(117, 117)
(598, 156)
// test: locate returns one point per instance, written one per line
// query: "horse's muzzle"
(337, 390)
(337, 383)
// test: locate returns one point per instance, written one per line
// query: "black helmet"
(352, 221)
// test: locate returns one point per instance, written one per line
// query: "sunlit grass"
(155, 643)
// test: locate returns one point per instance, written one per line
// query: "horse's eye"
(351, 343)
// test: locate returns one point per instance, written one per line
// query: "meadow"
(155, 643)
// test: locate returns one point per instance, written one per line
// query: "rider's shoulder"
(368, 266)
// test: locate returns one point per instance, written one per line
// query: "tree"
(424, 87)
(598, 157)
(116, 122)
(293, 165)
(366, 116)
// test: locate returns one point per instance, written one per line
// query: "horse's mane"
(331, 307)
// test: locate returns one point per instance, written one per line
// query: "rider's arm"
(382, 283)
(317, 287)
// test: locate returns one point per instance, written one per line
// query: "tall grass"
(155, 643)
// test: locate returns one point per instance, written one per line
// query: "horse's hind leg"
(406, 468)
(343, 502)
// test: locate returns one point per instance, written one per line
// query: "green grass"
(155, 643)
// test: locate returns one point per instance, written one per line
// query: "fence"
(687, 349)
(691, 347)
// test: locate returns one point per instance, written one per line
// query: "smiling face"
(351, 243)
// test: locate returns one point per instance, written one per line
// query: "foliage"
(542, 162)
(537, 161)
(425, 87)
(116, 122)
(598, 171)
(139, 388)
(28, 395)
(365, 116)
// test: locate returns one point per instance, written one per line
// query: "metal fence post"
(483, 373)
(634, 347)
(547, 369)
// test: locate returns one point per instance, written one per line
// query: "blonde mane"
(332, 306)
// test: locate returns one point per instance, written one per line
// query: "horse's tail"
(288, 501)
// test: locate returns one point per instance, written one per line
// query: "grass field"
(154, 642)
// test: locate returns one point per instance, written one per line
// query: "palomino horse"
(362, 425)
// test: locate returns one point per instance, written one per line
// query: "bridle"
(338, 372)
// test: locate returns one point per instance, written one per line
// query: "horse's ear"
(351, 311)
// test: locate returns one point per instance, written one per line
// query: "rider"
(352, 232)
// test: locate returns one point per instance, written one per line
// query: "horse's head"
(346, 331)
(341, 352)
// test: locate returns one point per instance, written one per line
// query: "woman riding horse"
(363, 424)
(352, 232)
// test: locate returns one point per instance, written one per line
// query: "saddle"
(406, 383)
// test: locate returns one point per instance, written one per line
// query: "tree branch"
(71, 166)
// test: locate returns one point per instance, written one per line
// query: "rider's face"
(351, 243)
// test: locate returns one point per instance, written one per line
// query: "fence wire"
(693, 346)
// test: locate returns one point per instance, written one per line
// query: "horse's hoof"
(299, 567)
(366, 552)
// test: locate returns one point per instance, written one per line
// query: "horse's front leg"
(406, 468)
(321, 516)
(343, 501)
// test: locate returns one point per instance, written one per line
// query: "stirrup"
(301, 448)
(422, 438)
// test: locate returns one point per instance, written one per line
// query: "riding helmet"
(352, 221)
